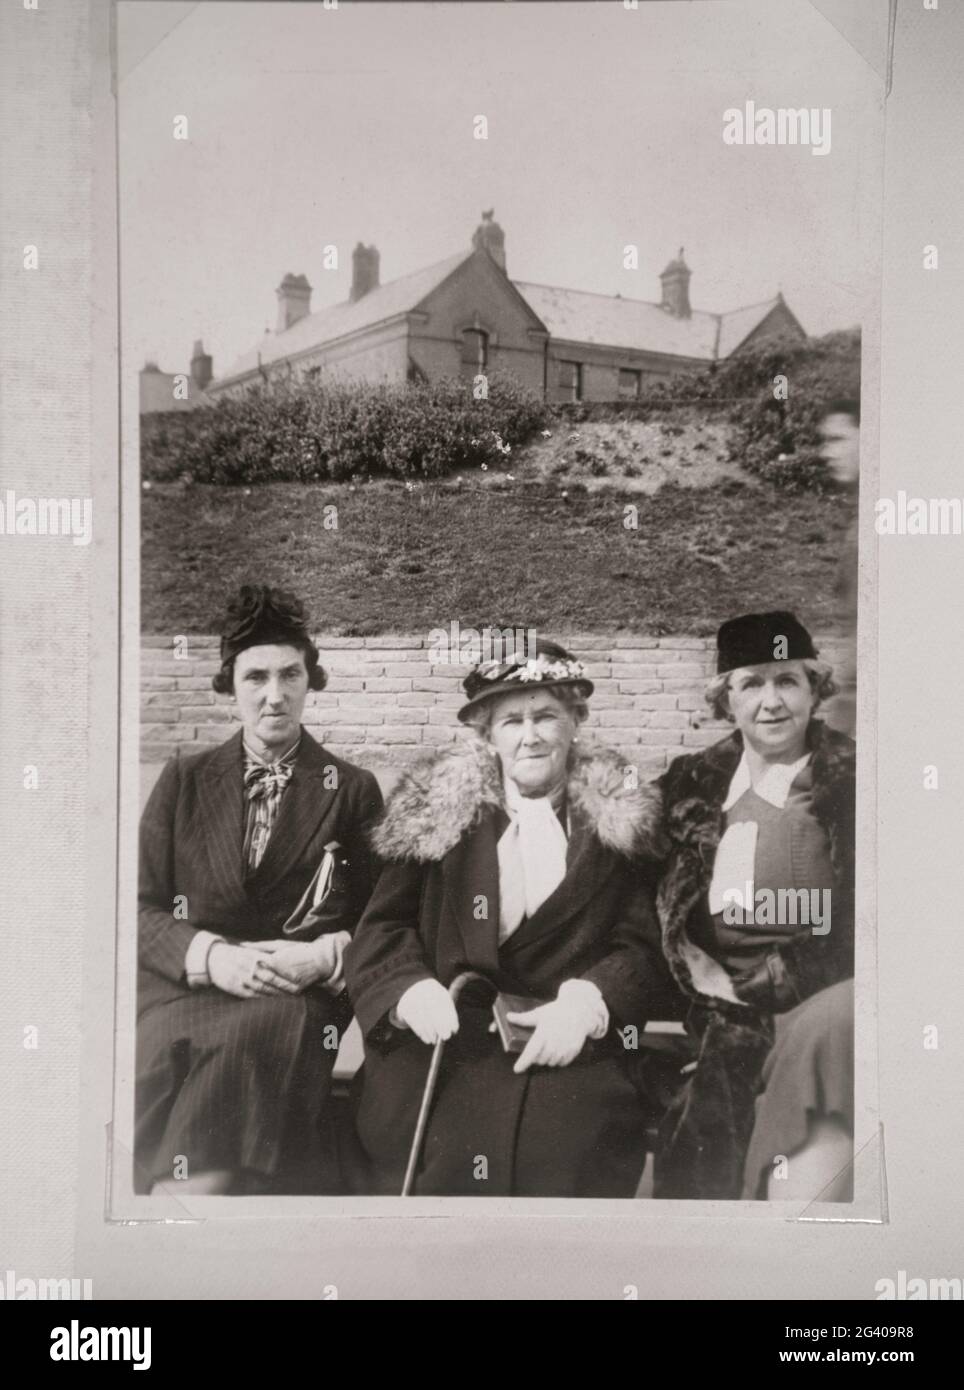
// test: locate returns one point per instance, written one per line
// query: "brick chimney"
(675, 281)
(202, 366)
(294, 300)
(364, 271)
(489, 236)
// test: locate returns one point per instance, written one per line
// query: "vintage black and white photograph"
(480, 762)
(491, 413)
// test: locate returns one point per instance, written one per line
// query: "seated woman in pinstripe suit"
(254, 869)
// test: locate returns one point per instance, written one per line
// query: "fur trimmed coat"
(707, 1130)
(563, 1131)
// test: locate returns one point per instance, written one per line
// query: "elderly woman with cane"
(756, 906)
(521, 857)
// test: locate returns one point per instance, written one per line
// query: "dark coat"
(215, 1074)
(576, 1130)
(706, 1132)
(192, 833)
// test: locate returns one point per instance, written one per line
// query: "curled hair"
(819, 674)
(479, 718)
(223, 680)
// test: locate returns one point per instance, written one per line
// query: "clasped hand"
(272, 967)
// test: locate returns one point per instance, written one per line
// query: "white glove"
(562, 1027)
(426, 1008)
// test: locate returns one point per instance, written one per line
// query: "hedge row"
(305, 432)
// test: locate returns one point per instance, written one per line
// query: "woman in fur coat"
(756, 907)
(522, 857)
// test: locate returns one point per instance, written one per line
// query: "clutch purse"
(513, 1036)
(325, 905)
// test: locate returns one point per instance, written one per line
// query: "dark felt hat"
(548, 667)
(757, 638)
(260, 616)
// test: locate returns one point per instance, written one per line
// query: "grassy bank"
(408, 558)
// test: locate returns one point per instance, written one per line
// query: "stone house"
(465, 316)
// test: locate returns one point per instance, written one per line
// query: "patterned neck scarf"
(264, 786)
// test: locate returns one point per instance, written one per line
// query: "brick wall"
(386, 705)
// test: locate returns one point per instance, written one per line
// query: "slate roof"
(612, 321)
(736, 326)
(337, 320)
(572, 315)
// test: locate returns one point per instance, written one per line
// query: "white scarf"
(734, 868)
(532, 857)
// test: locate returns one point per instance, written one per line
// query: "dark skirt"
(576, 1131)
(235, 1084)
(758, 1081)
(706, 1129)
(809, 1074)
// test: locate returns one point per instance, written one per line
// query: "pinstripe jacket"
(191, 867)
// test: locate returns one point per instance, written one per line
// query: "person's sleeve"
(386, 956)
(196, 959)
(365, 808)
(790, 974)
(163, 940)
(632, 975)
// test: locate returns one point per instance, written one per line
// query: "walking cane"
(455, 989)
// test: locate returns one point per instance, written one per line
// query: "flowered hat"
(548, 667)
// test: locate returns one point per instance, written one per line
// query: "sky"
(309, 127)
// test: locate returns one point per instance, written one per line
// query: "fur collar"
(694, 788)
(434, 805)
(695, 785)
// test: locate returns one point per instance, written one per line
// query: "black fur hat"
(258, 616)
(757, 638)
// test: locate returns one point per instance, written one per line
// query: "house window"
(475, 351)
(570, 381)
(628, 384)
